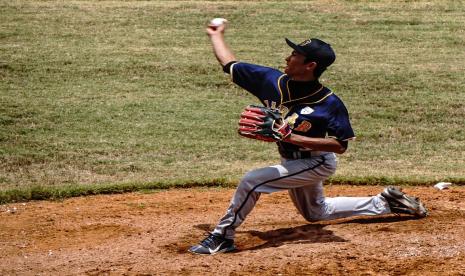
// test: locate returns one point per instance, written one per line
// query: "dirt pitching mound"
(150, 234)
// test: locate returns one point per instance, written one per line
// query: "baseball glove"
(263, 123)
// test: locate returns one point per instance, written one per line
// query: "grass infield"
(96, 94)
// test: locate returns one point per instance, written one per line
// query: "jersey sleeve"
(339, 126)
(256, 79)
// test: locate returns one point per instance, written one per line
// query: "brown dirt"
(150, 233)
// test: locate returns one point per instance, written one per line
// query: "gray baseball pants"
(303, 178)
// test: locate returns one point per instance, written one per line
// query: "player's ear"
(310, 66)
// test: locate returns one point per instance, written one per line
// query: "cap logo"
(306, 42)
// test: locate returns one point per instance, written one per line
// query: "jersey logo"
(307, 110)
(291, 119)
(271, 104)
(304, 126)
(284, 110)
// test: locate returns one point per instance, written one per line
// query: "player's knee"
(318, 212)
(248, 181)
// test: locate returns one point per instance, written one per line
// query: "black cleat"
(400, 203)
(213, 244)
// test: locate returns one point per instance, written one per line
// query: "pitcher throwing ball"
(309, 124)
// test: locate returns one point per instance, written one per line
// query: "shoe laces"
(211, 240)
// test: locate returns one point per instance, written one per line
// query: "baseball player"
(320, 127)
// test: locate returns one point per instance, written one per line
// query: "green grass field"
(108, 93)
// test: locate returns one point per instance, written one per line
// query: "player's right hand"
(215, 30)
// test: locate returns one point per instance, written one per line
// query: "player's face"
(296, 67)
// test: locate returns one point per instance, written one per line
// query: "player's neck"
(298, 89)
(304, 78)
(312, 79)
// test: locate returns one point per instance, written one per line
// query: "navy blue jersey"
(311, 109)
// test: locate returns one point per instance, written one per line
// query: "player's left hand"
(263, 123)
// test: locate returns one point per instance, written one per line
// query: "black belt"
(299, 154)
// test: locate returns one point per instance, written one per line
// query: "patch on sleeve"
(304, 126)
(307, 110)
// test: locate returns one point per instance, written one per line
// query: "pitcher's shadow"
(304, 234)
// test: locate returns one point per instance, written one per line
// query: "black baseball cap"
(315, 50)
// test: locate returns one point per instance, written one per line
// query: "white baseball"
(218, 21)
